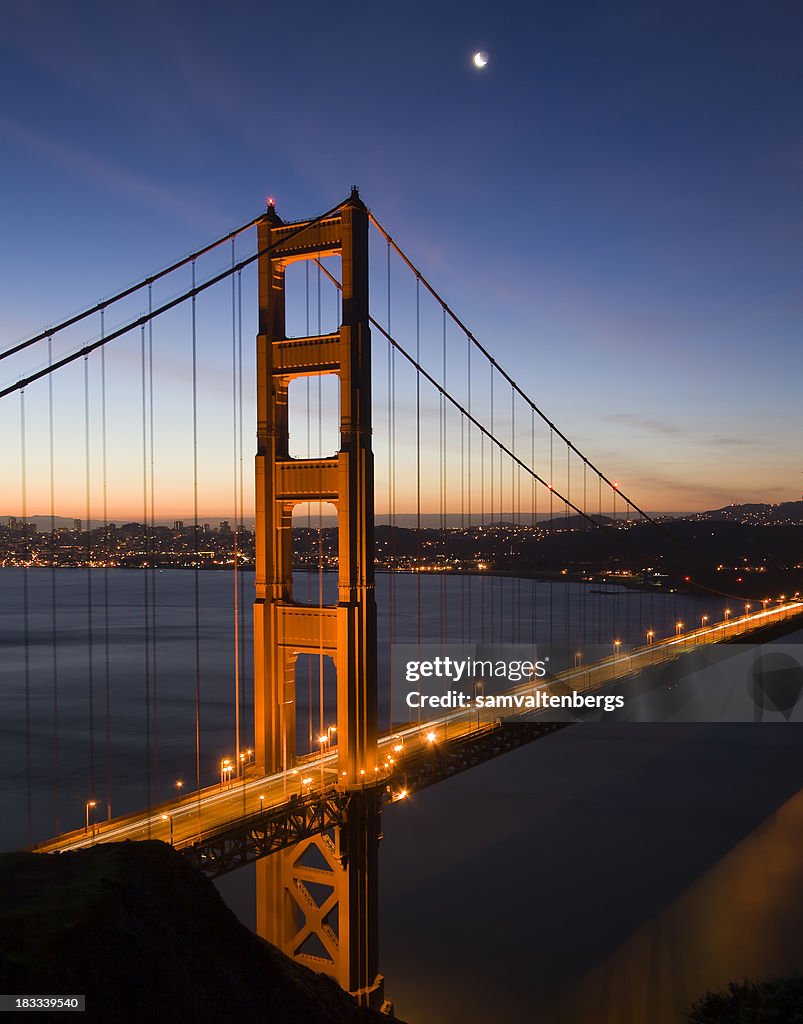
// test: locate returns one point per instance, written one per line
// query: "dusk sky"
(613, 205)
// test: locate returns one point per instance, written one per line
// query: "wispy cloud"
(100, 172)
(664, 428)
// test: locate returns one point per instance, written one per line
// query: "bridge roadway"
(309, 795)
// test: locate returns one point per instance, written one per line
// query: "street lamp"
(616, 645)
(431, 736)
(703, 620)
(578, 658)
(226, 770)
(678, 628)
(179, 786)
(478, 686)
(747, 609)
(169, 818)
(650, 635)
(727, 614)
(322, 741)
(261, 801)
(89, 805)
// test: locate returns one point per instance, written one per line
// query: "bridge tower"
(318, 901)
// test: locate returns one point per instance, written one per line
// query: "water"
(137, 673)
(609, 873)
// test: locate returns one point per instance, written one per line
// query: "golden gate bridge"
(462, 444)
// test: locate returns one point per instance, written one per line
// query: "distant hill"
(787, 513)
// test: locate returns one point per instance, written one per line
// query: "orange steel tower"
(318, 901)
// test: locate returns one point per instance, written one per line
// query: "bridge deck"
(224, 826)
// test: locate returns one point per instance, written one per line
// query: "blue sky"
(613, 204)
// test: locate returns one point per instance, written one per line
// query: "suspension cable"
(483, 430)
(495, 364)
(192, 293)
(133, 289)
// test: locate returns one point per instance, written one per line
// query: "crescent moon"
(480, 59)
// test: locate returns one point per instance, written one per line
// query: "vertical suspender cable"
(535, 535)
(494, 578)
(391, 486)
(26, 558)
(54, 640)
(600, 630)
(241, 490)
(581, 590)
(442, 481)
(196, 570)
(551, 531)
(468, 488)
(515, 495)
(616, 589)
(464, 632)
(567, 584)
(321, 688)
(145, 573)
(106, 558)
(309, 504)
(418, 462)
(235, 544)
(152, 566)
(391, 530)
(90, 665)
(482, 533)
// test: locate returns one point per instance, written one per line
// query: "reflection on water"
(742, 919)
(608, 873)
